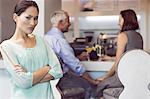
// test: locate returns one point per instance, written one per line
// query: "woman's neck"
(23, 39)
(19, 35)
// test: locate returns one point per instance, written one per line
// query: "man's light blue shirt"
(57, 41)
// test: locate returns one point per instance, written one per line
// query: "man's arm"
(64, 50)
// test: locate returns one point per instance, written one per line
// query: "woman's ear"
(15, 17)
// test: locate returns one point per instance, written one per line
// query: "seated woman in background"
(128, 39)
(29, 61)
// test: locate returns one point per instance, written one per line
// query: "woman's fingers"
(19, 68)
(100, 78)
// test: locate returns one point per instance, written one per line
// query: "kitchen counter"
(97, 69)
(97, 65)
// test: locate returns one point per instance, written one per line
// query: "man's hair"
(58, 16)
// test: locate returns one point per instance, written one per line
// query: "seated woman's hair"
(130, 20)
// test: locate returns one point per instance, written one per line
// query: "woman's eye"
(28, 18)
(36, 18)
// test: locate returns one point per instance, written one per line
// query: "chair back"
(134, 73)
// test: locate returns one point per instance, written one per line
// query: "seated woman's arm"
(121, 44)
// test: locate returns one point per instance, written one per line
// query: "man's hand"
(83, 56)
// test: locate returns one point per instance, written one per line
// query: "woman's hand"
(19, 69)
(40, 74)
(100, 79)
(47, 67)
(95, 82)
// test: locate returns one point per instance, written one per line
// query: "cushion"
(76, 91)
(112, 93)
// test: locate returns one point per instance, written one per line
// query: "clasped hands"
(99, 80)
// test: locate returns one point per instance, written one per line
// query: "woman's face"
(27, 21)
(121, 21)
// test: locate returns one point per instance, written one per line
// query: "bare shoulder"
(122, 35)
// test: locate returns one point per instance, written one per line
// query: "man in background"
(75, 74)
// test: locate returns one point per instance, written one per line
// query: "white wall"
(40, 27)
(145, 23)
(7, 24)
(50, 7)
(46, 7)
(99, 22)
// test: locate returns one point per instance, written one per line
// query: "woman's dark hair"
(130, 20)
(22, 5)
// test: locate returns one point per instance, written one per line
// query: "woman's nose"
(33, 22)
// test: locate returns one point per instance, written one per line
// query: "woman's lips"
(31, 28)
